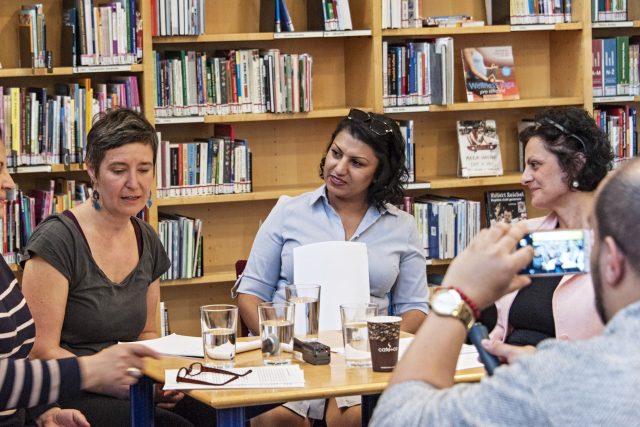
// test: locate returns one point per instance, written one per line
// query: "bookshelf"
(553, 68)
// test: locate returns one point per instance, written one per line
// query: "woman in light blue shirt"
(363, 169)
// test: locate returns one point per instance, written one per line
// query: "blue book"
(278, 22)
(609, 57)
(285, 18)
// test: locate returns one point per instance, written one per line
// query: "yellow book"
(15, 120)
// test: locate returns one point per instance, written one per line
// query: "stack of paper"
(288, 376)
(182, 345)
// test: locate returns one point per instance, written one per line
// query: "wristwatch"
(447, 302)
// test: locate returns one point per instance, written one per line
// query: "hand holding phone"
(557, 252)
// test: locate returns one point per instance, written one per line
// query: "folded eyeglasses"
(185, 375)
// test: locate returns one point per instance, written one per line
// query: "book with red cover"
(489, 73)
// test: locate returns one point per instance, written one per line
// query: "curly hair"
(389, 149)
(588, 164)
(116, 128)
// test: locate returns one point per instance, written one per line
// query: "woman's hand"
(506, 352)
(167, 399)
(62, 417)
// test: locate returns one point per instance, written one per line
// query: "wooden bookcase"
(553, 68)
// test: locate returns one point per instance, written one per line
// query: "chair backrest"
(240, 265)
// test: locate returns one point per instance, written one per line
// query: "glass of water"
(276, 332)
(218, 324)
(355, 332)
(306, 299)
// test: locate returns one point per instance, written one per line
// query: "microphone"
(477, 333)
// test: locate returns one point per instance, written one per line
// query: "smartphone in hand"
(558, 252)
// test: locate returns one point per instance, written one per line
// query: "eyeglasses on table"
(185, 374)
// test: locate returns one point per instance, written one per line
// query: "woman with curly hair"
(566, 157)
(363, 169)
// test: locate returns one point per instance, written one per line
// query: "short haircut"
(116, 128)
(389, 149)
(598, 157)
(618, 209)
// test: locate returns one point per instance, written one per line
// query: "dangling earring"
(575, 183)
(95, 200)
(149, 201)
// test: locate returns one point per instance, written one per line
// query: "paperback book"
(508, 206)
(489, 73)
(479, 148)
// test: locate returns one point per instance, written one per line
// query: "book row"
(525, 12)
(32, 37)
(401, 14)
(446, 224)
(105, 34)
(220, 164)
(609, 10)
(28, 209)
(39, 127)
(620, 124)
(177, 17)
(182, 241)
(408, 133)
(190, 83)
(418, 72)
(616, 66)
(322, 15)
(334, 16)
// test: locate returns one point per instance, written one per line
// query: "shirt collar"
(321, 194)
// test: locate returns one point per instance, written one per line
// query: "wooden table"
(321, 381)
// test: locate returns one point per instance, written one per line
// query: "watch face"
(445, 302)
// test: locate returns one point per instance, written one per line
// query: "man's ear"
(614, 262)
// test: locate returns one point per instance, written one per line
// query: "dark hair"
(116, 128)
(389, 149)
(617, 209)
(587, 165)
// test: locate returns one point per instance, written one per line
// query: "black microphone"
(477, 333)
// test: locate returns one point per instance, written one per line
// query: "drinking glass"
(355, 332)
(306, 299)
(218, 324)
(276, 331)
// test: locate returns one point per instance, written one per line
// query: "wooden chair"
(240, 265)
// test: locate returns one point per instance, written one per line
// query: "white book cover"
(479, 148)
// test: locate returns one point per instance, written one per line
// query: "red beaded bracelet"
(472, 305)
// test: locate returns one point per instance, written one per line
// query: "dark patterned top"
(26, 383)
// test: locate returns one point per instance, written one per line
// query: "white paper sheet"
(288, 376)
(182, 345)
(342, 271)
(467, 359)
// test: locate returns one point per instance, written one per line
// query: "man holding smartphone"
(591, 382)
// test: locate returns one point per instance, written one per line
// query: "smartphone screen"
(558, 252)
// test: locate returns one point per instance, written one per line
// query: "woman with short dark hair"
(566, 157)
(92, 273)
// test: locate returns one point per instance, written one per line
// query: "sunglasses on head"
(377, 126)
(563, 130)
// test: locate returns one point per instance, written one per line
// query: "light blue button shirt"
(396, 260)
